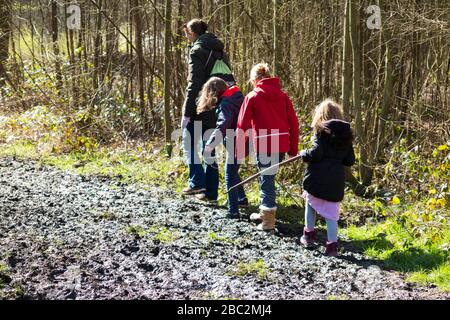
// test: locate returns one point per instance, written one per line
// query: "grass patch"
(164, 235)
(422, 254)
(440, 276)
(137, 231)
(20, 149)
(145, 164)
(214, 237)
(257, 268)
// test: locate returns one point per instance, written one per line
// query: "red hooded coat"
(268, 111)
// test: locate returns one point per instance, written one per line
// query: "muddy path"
(64, 236)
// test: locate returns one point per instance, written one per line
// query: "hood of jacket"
(270, 89)
(337, 130)
(209, 41)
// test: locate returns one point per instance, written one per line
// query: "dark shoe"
(331, 249)
(243, 203)
(190, 191)
(203, 197)
(309, 238)
(233, 216)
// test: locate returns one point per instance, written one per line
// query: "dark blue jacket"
(332, 150)
(227, 112)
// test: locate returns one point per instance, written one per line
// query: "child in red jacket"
(268, 111)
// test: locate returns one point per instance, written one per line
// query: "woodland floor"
(65, 236)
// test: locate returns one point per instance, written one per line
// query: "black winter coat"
(203, 54)
(332, 150)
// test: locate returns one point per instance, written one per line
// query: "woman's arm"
(197, 77)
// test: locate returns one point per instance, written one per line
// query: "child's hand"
(184, 122)
(209, 148)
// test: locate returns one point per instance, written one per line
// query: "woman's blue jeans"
(200, 175)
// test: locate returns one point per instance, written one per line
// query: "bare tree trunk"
(227, 26)
(277, 50)
(137, 14)
(365, 170)
(5, 34)
(388, 86)
(179, 63)
(199, 8)
(167, 74)
(97, 45)
(347, 64)
(56, 44)
(112, 45)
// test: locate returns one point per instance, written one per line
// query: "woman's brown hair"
(197, 26)
(212, 90)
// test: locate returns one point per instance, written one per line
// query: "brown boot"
(268, 219)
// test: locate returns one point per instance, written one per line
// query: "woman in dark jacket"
(204, 50)
(227, 102)
(324, 180)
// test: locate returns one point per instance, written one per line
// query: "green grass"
(257, 268)
(423, 257)
(20, 149)
(125, 165)
(137, 231)
(164, 235)
(439, 276)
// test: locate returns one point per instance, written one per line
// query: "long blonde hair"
(326, 110)
(212, 90)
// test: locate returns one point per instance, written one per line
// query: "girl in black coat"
(324, 179)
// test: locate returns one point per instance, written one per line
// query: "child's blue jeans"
(231, 179)
(267, 181)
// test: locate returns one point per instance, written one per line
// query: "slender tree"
(167, 75)
(346, 63)
(137, 17)
(388, 83)
(277, 49)
(5, 33)
(55, 36)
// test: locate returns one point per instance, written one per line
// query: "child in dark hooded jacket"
(324, 179)
(227, 101)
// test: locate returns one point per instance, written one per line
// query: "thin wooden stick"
(256, 175)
